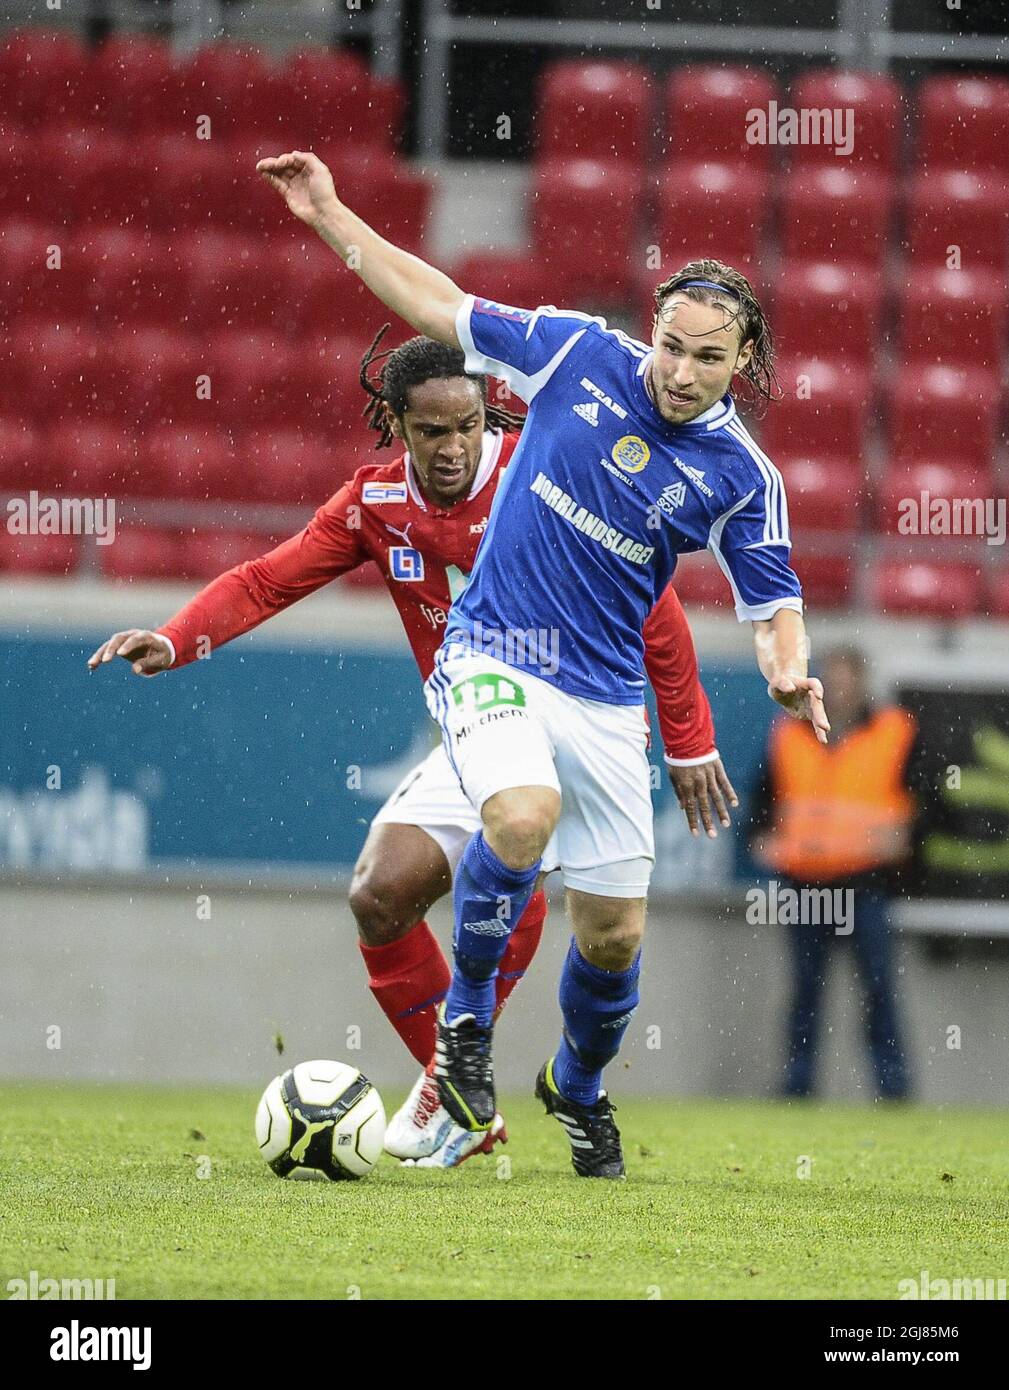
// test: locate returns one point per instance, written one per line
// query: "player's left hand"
(801, 697)
(699, 789)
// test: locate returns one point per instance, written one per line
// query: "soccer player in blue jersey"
(632, 455)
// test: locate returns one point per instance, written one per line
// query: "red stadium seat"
(289, 467)
(17, 177)
(61, 372)
(826, 579)
(320, 386)
(876, 102)
(510, 277)
(26, 283)
(142, 552)
(188, 462)
(392, 199)
(998, 605)
(226, 83)
(594, 110)
(206, 554)
(136, 280)
(91, 458)
(116, 181)
(586, 210)
(963, 123)
(954, 316)
(231, 283)
(900, 494)
(706, 113)
(715, 210)
(939, 411)
(324, 298)
(22, 458)
(948, 208)
(825, 409)
(832, 213)
(330, 95)
(829, 311)
(823, 493)
(169, 379)
(53, 556)
(133, 83)
(926, 588)
(55, 159)
(42, 78)
(196, 180)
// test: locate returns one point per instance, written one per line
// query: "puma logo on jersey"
(603, 398)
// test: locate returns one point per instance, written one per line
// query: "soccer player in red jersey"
(421, 518)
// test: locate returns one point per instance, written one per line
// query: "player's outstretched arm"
(782, 651)
(419, 293)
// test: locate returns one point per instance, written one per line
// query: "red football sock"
(521, 948)
(409, 978)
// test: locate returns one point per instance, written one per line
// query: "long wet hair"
(416, 361)
(760, 384)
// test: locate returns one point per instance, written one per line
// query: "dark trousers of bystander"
(812, 948)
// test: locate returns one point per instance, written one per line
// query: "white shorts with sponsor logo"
(504, 727)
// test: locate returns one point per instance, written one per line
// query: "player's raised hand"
(702, 791)
(147, 652)
(304, 182)
(801, 697)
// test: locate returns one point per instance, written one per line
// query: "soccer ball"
(321, 1120)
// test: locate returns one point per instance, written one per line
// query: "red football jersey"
(425, 554)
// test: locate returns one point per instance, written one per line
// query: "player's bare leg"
(598, 993)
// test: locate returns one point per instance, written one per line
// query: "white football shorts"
(504, 727)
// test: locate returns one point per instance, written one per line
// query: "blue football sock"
(597, 1006)
(489, 898)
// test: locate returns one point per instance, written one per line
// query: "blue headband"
(705, 285)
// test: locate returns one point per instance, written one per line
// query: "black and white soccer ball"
(321, 1120)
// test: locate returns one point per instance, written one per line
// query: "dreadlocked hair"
(760, 384)
(416, 361)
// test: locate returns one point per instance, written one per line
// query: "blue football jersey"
(600, 497)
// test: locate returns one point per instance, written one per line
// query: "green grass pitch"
(104, 1182)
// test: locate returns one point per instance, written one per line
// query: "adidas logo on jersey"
(589, 412)
(603, 398)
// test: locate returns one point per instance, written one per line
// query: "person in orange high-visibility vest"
(839, 816)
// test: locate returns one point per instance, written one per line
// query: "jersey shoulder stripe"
(775, 507)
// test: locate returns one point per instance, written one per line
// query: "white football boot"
(423, 1134)
(461, 1144)
(421, 1124)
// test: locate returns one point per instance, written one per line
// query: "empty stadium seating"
(170, 332)
(594, 110)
